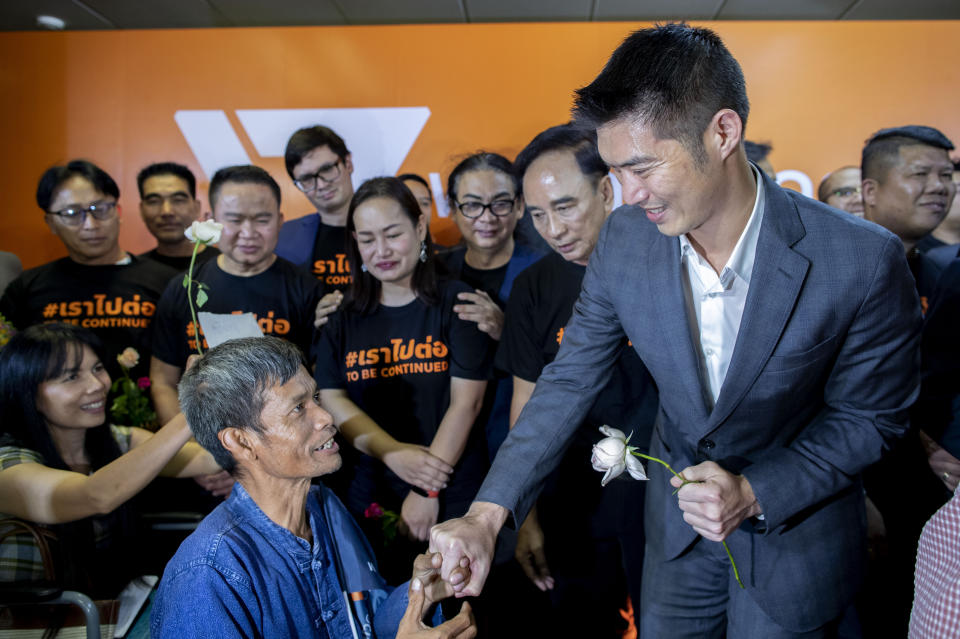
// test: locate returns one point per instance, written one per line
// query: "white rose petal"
(207, 232)
(635, 467)
(611, 456)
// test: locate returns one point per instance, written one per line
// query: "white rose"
(129, 357)
(207, 232)
(612, 455)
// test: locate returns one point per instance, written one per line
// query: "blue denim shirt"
(242, 575)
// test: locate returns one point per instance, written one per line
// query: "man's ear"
(348, 163)
(48, 218)
(606, 193)
(868, 189)
(724, 133)
(238, 443)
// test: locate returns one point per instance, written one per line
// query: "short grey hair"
(226, 388)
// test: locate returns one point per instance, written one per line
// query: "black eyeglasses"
(499, 208)
(76, 216)
(328, 173)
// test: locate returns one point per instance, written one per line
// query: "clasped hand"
(418, 467)
(481, 309)
(714, 502)
(426, 588)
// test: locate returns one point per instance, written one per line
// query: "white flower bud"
(207, 232)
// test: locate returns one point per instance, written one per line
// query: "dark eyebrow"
(500, 195)
(386, 228)
(171, 195)
(567, 199)
(634, 161)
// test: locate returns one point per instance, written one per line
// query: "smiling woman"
(63, 467)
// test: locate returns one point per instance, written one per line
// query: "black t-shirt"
(541, 303)
(395, 364)
(182, 263)
(283, 298)
(329, 264)
(489, 281)
(117, 302)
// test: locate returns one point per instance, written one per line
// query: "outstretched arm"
(46, 495)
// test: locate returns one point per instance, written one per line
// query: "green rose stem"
(188, 282)
(686, 481)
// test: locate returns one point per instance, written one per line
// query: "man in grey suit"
(782, 335)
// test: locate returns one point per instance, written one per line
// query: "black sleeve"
(329, 371)
(471, 350)
(169, 326)
(13, 304)
(519, 353)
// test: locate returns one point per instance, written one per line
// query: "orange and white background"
(417, 98)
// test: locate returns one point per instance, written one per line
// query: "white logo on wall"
(378, 138)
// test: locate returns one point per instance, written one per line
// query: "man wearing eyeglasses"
(98, 285)
(320, 166)
(168, 206)
(841, 190)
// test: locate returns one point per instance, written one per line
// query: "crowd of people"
(425, 414)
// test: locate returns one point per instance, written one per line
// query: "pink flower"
(373, 511)
(129, 357)
(143, 383)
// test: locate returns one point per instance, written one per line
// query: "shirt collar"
(741, 260)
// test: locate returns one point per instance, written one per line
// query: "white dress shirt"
(715, 302)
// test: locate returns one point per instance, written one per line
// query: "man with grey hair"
(281, 557)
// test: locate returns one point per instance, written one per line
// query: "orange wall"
(817, 89)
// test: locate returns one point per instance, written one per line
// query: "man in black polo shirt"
(589, 533)
(168, 206)
(247, 277)
(98, 285)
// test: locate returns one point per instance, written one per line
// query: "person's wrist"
(489, 514)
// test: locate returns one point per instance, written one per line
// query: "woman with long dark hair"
(63, 467)
(403, 376)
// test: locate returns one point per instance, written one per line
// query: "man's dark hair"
(167, 168)
(413, 177)
(479, 161)
(882, 149)
(227, 388)
(309, 138)
(55, 176)
(757, 151)
(241, 174)
(673, 77)
(582, 142)
(364, 293)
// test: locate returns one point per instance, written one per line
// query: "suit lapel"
(775, 284)
(675, 327)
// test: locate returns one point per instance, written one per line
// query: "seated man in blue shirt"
(281, 557)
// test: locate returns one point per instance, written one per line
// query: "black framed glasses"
(77, 215)
(499, 208)
(328, 173)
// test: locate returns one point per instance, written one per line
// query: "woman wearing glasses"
(98, 285)
(403, 376)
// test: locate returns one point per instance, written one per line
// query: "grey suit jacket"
(825, 366)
